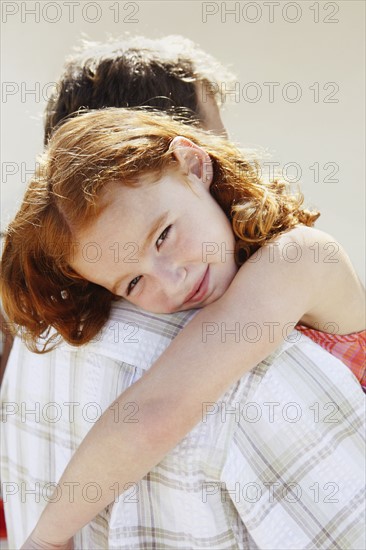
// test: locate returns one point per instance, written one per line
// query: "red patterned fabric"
(349, 348)
(2, 521)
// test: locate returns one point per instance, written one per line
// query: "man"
(190, 500)
(170, 74)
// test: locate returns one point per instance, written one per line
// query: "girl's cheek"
(189, 249)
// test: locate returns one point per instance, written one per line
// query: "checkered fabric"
(277, 463)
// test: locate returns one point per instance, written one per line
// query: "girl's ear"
(193, 160)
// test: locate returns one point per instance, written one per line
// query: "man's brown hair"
(136, 72)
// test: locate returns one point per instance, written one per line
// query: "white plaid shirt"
(277, 463)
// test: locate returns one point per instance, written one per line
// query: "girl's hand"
(34, 542)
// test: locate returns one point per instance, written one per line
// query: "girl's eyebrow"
(155, 226)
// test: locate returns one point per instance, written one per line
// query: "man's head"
(169, 74)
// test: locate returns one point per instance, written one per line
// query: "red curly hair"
(39, 288)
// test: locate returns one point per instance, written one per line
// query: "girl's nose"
(169, 277)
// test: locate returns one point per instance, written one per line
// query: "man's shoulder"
(132, 335)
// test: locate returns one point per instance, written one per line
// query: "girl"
(136, 205)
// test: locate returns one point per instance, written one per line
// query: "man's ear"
(192, 159)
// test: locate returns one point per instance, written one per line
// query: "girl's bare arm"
(270, 294)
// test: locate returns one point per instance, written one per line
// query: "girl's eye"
(163, 238)
(132, 284)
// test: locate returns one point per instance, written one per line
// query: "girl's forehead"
(136, 205)
(146, 186)
(132, 215)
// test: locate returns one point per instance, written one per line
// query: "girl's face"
(163, 246)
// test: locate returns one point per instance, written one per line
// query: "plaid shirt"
(278, 462)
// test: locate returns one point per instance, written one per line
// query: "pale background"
(305, 52)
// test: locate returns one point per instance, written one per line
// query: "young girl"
(136, 205)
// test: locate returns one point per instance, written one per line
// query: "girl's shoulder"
(318, 270)
(313, 248)
(305, 236)
(301, 249)
(330, 270)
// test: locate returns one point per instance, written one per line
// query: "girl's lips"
(200, 291)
